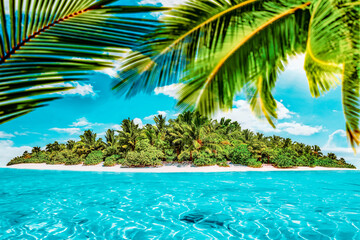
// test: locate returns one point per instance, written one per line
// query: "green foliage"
(49, 42)
(111, 150)
(109, 162)
(240, 154)
(188, 138)
(170, 156)
(184, 156)
(94, 158)
(223, 164)
(57, 158)
(113, 160)
(75, 160)
(247, 44)
(284, 160)
(252, 162)
(328, 162)
(16, 160)
(142, 159)
(301, 161)
(39, 157)
(204, 159)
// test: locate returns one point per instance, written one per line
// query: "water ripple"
(291, 205)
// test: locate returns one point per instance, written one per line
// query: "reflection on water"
(252, 205)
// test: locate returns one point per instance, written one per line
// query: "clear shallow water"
(253, 205)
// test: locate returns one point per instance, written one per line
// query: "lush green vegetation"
(220, 48)
(190, 138)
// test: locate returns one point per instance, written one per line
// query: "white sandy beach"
(167, 168)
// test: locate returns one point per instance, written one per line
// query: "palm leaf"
(192, 31)
(333, 53)
(253, 63)
(43, 42)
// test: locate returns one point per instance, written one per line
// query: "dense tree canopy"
(190, 138)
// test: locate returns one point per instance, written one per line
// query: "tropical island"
(190, 138)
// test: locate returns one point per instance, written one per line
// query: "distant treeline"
(189, 138)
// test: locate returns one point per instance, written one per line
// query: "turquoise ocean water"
(249, 205)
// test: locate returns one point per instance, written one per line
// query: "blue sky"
(92, 105)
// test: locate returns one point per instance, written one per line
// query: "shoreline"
(179, 168)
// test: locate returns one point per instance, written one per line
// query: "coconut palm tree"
(110, 137)
(53, 147)
(129, 134)
(317, 150)
(70, 144)
(90, 142)
(160, 123)
(46, 43)
(149, 133)
(248, 136)
(36, 150)
(220, 47)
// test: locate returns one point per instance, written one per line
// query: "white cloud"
(21, 133)
(296, 63)
(243, 114)
(83, 122)
(139, 122)
(170, 90)
(70, 131)
(295, 128)
(116, 127)
(152, 116)
(282, 111)
(8, 151)
(337, 142)
(6, 135)
(79, 89)
(167, 3)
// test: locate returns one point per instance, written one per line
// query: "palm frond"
(253, 63)
(187, 33)
(333, 53)
(326, 46)
(43, 42)
(351, 74)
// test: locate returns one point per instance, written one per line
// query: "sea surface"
(248, 205)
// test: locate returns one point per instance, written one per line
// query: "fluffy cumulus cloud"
(167, 3)
(170, 90)
(83, 122)
(71, 131)
(158, 113)
(6, 135)
(79, 89)
(295, 128)
(296, 63)
(8, 151)
(337, 142)
(283, 112)
(243, 114)
(76, 127)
